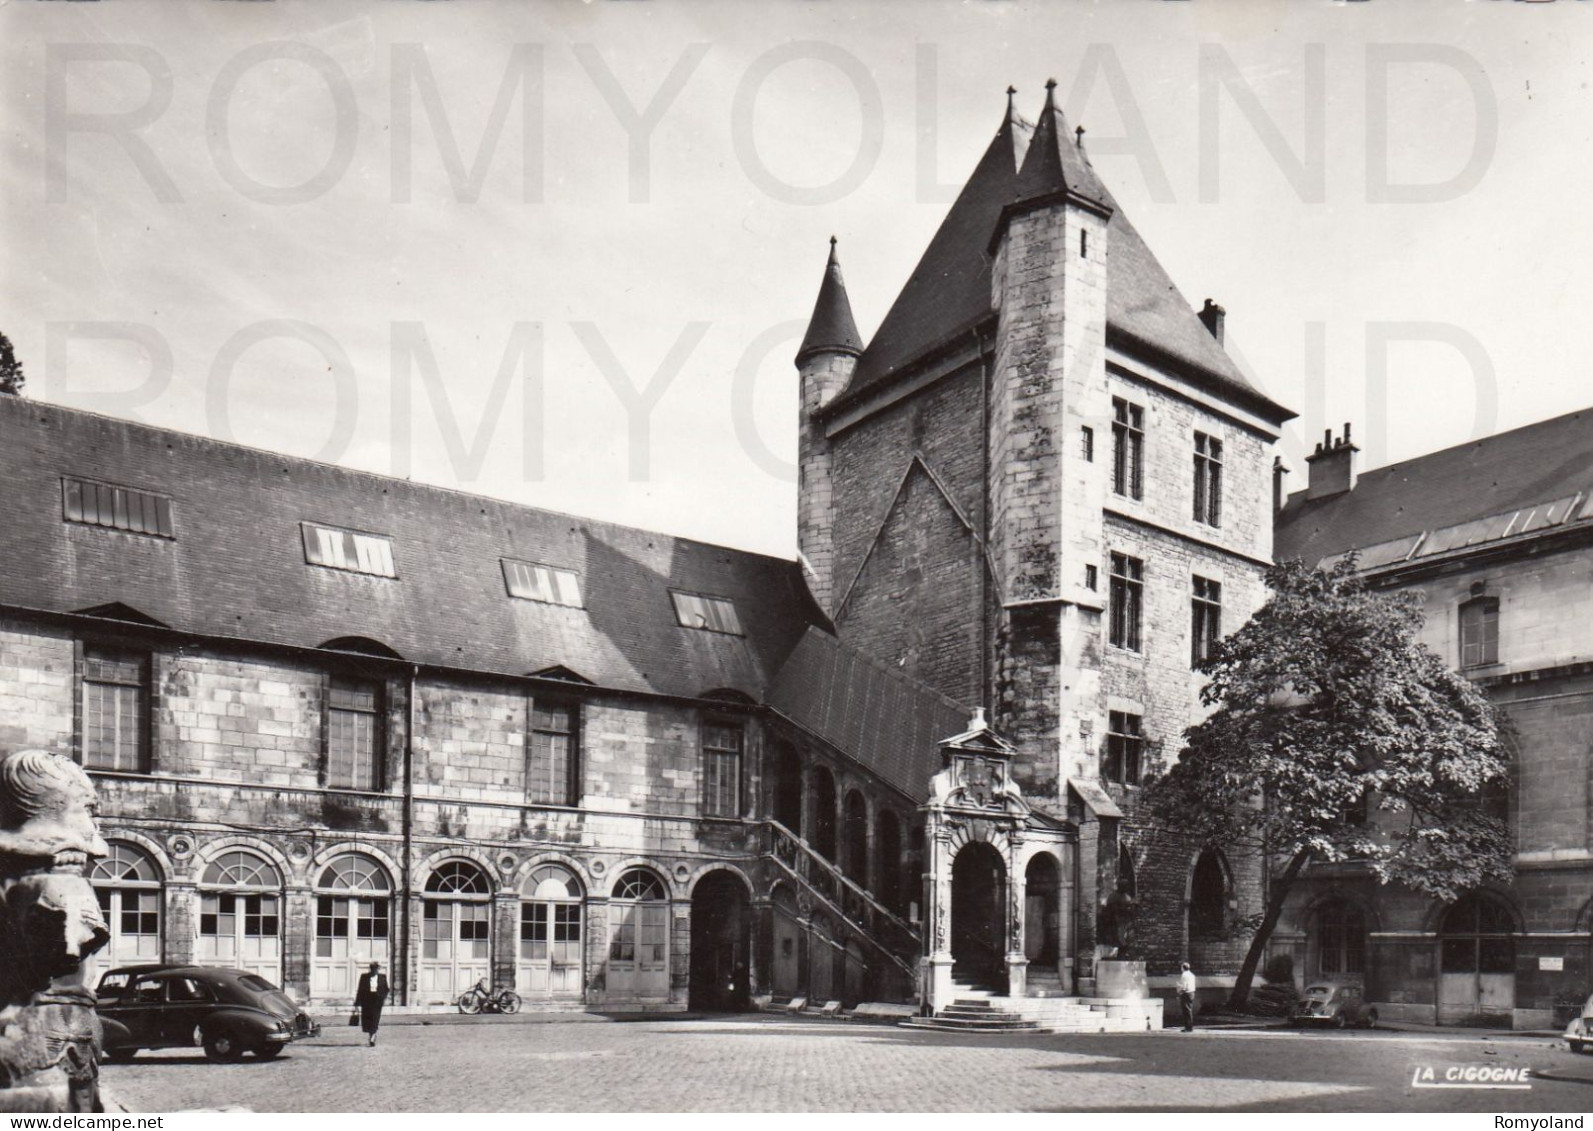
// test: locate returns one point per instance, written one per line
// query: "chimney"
(1213, 316)
(1280, 472)
(1332, 466)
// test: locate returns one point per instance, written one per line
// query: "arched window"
(240, 914)
(638, 955)
(456, 877)
(1478, 937)
(128, 885)
(888, 861)
(241, 869)
(1340, 938)
(1126, 881)
(456, 930)
(855, 839)
(1479, 632)
(1208, 897)
(550, 933)
(639, 884)
(356, 873)
(820, 832)
(352, 923)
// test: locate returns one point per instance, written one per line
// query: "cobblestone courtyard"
(769, 1064)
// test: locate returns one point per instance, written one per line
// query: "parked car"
(1334, 1003)
(228, 1012)
(1579, 1033)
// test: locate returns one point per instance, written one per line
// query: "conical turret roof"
(832, 326)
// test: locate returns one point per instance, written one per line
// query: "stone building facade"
(336, 718)
(1493, 538)
(1033, 488)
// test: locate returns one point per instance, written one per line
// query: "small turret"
(825, 363)
(832, 328)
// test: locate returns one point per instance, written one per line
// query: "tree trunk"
(1258, 943)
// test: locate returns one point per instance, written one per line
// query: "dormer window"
(350, 550)
(712, 614)
(547, 584)
(115, 508)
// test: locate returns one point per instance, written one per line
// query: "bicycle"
(481, 999)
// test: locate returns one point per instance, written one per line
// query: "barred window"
(350, 550)
(1124, 742)
(354, 734)
(721, 748)
(1341, 939)
(715, 614)
(1205, 619)
(116, 508)
(551, 766)
(1479, 632)
(1128, 448)
(115, 711)
(1208, 479)
(1127, 600)
(548, 584)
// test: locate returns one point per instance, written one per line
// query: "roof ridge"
(419, 484)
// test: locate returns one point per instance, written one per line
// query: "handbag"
(354, 1017)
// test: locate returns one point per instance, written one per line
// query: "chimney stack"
(1213, 316)
(1332, 466)
(1280, 471)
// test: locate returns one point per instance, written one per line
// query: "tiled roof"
(1510, 480)
(948, 292)
(236, 567)
(832, 326)
(887, 721)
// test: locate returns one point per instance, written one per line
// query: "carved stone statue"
(49, 922)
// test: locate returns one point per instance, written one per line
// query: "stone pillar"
(505, 939)
(760, 973)
(936, 989)
(805, 831)
(181, 921)
(870, 878)
(596, 948)
(679, 951)
(298, 939)
(1067, 916)
(1017, 960)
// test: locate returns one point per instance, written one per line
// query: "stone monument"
(49, 922)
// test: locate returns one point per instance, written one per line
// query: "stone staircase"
(1085, 1014)
(972, 1013)
(981, 1009)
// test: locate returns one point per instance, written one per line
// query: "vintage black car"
(1334, 1003)
(228, 1012)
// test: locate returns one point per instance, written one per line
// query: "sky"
(562, 253)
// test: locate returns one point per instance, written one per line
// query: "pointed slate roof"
(948, 293)
(832, 326)
(1055, 162)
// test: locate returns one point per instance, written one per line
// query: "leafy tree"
(1337, 736)
(11, 376)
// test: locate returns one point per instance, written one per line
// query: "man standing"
(1186, 997)
(372, 995)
